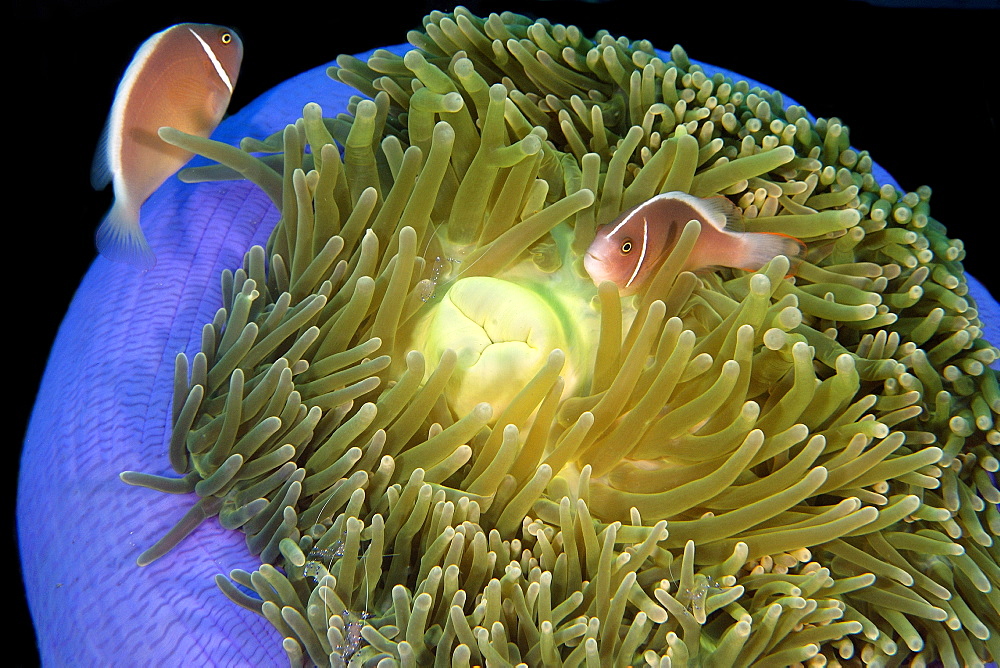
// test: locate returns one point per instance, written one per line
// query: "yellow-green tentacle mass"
(450, 449)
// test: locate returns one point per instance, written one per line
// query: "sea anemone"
(446, 446)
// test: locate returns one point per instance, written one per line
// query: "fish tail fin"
(120, 239)
(761, 247)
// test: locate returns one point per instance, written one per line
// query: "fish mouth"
(594, 266)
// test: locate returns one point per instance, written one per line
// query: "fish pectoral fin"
(195, 108)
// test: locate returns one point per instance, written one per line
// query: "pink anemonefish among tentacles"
(628, 250)
(181, 77)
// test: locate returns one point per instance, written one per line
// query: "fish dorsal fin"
(726, 210)
(719, 211)
(100, 169)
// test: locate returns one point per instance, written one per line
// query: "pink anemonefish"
(181, 77)
(628, 251)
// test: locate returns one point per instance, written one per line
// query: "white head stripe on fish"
(624, 220)
(215, 61)
(642, 253)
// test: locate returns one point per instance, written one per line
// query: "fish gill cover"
(449, 448)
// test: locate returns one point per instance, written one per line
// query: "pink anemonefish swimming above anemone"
(181, 77)
(628, 250)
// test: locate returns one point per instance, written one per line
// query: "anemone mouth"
(729, 468)
(502, 335)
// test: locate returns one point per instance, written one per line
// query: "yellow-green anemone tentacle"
(449, 447)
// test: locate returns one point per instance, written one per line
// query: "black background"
(911, 83)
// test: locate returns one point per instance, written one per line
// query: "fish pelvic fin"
(759, 248)
(120, 239)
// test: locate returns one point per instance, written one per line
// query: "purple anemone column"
(104, 407)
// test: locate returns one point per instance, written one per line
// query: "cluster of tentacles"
(730, 468)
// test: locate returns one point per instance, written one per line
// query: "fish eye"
(626, 247)
(226, 38)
